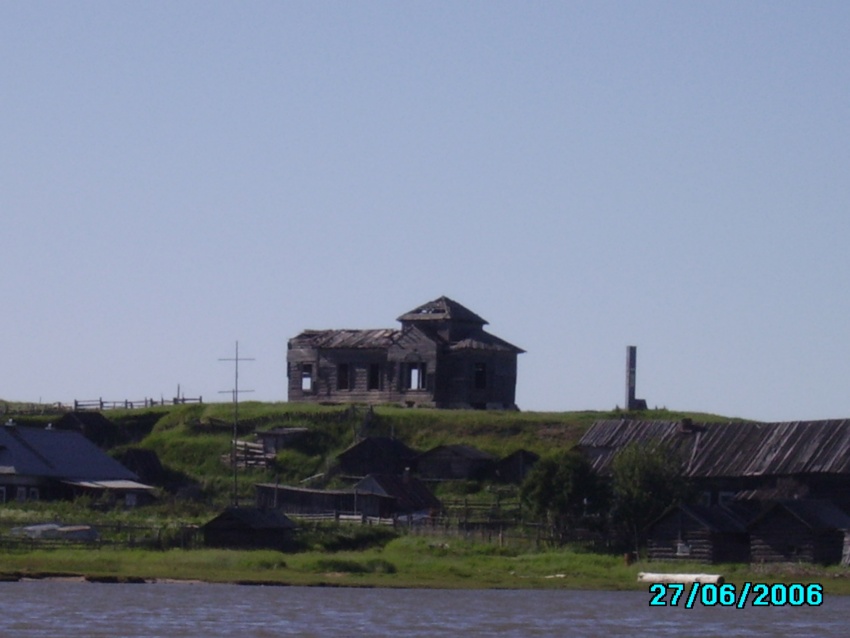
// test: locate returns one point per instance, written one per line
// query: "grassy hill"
(190, 440)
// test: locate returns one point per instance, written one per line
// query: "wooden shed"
(249, 527)
(409, 495)
(707, 534)
(376, 454)
(448, 462)
(308, 501)
(808, 530)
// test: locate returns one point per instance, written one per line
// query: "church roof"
(369, 339)
(443, 309)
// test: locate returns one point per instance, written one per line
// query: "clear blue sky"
(175, 176)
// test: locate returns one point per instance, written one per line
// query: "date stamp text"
(729, 595)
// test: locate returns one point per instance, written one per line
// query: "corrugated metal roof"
(62, 454)
(731, 449)
(111, 485)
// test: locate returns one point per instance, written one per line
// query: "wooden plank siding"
(692, 533)
(811, 531)
(441, 357)
(739, 456)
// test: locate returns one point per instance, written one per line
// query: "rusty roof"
(732, 449)
(368, 339)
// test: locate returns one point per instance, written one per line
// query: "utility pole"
(235, 391)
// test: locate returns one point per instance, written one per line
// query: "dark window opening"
(374, 382)
(306, 377)
(480, 376)
(416, 376)
(343, 377)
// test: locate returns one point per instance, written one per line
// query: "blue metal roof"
(59, 454)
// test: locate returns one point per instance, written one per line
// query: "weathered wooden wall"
(781, 537)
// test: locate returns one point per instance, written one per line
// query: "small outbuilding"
(409, 495)
(706, 534)
(376, 454)
(806, 530)
(307, 501)
(447, 462)
(250, 527)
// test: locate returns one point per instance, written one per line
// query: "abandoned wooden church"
(441, 357)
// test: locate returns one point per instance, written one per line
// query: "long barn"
(800, 459)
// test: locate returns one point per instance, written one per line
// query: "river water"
(90, 610)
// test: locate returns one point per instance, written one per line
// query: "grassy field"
(405, 562)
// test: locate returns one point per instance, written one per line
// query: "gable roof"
(410, 493)
(443, 309)
(252, 518)
(382, 447)
(816, 514)
(483, 340)
(346, 338)
(732, 449)
(59, 454)
(713, 518)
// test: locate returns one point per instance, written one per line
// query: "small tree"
(645, 481)
(563, 490)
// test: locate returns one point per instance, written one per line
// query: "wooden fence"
(100, 404)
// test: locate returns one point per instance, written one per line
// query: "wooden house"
(807, 530)
(440, 357)
(409, 495)
(707, 534)
(448, 462)
(48, 464)
(724, 459)
(376, 454)
(248, 527)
